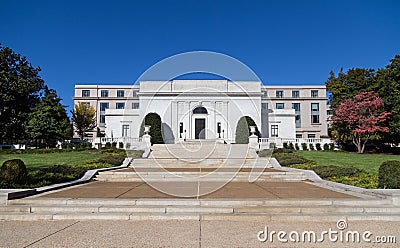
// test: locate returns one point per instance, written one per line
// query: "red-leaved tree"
(363, 117)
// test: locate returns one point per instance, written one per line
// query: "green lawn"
(368, 162)
(49, 159)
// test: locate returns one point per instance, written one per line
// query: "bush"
(304, 147)
(13, 172)
(272, 146)
(120, 145)
(291, 146)
(66, 145)
(297, 146)
(282, 150)
(326, 146)
(113, 160)
(326, 171)
(331, 146)
(128, 145)
(108, 145)
(312, 147)
(318, 147)
(286, 159)
(265, 153)
(389, 175)
(285, 145)
(114, 144)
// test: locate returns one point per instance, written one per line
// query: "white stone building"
(207, 109)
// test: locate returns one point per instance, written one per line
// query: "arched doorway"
(200, 122)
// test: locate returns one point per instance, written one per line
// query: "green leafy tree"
(48, 121)
(84, 118)
(388, 80)
(20, 85)
(347, 85)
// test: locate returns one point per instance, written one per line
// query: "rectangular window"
(274, 130)
(264, 105)
(311, 136)
(280, 106)
(125, 130)
(85, 93)
(135, 93)
(104, 106)
(104, 93)
(135, 105)
(329, 112)
(296, 106)
(265, 93)
(102, 119)
(315, 119)
(314, 93)
(299, 136)
(120, 105)
(120, 93)
(295, 94)
(279, 94)
(314, 113)
(314, 106)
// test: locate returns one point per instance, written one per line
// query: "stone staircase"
(197, 162)
(200, 161)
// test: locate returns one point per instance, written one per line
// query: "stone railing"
(265, 143)
(127, 142)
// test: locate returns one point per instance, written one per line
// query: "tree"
(153, 120)
(349, 84)
(363, 117)
(48, 121)
(388, 80)
(20, 85)
(243, 130)
(84, 118)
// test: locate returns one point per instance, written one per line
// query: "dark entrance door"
(200, 128)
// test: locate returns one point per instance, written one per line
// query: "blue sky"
(114, 42)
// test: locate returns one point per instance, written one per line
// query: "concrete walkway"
(233, 190)
(179, 233)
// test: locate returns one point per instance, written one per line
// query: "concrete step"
(236, 203)
(317, 217)
(41, 208)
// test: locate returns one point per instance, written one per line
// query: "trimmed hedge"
(325, 171)
(114, 160)
(286, 159)
(389, 175)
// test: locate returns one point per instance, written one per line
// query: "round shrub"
(304, 147)
(326, 146)
(311, 147)
(297, 146)
(389, 175)
(318, 147)
(291, 146)
(14, 171)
